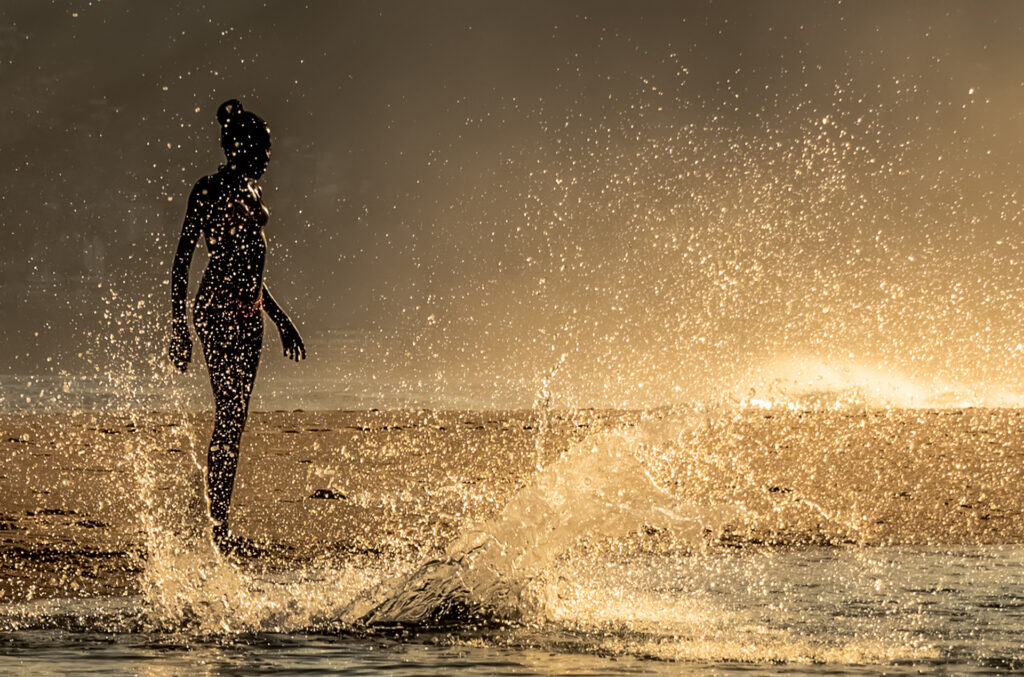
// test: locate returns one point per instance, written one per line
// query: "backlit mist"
(476, 204)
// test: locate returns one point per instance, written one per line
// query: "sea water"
(801, 611)
(554, 583)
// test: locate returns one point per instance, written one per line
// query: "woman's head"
(245, 138)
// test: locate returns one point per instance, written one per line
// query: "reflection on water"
(802, 611)
(305, 654)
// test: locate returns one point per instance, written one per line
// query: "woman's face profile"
(261, 160)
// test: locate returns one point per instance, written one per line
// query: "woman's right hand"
(181, 348)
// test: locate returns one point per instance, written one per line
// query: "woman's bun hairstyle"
(228, 109)
(240, 130)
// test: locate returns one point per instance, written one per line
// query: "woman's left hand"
(294, 349)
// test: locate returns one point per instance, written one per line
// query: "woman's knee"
(229, 424)
(222, 451)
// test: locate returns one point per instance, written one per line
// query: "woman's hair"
(241, 132)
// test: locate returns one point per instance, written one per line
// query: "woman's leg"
(233, 359)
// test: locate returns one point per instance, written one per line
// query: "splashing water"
(494, 570)
(597, 490)
(187, 584)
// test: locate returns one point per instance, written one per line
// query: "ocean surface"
(589, 567)
(804, 611)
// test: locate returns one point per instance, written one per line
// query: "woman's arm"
(291, 342)
(181, 342)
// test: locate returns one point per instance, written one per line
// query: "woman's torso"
(232, 224)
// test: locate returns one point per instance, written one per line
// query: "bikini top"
(236, 219)
(233, 227)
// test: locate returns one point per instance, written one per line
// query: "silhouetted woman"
(228, 210)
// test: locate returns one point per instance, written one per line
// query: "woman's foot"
(235, 546)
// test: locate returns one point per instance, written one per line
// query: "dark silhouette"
(228, 210)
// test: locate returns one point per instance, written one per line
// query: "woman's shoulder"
(208, 185)
(201, 191)
(211, 190)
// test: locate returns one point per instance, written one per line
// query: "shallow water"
(802, 611)
(305, 654)
(589, 566)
